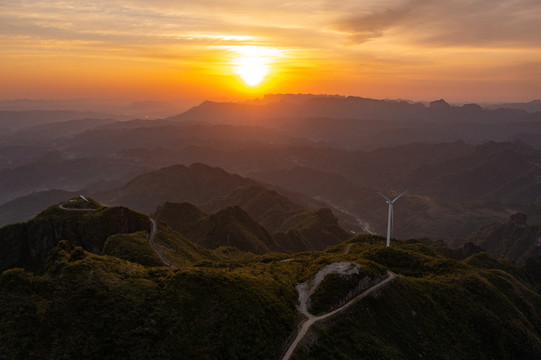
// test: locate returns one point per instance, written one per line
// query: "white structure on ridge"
(390, 217)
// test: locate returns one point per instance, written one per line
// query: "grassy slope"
(30, 242)
(89, 307)
(179, 250)
(133, 247)
(229, 305)
(437, 309)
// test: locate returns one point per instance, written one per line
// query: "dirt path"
(304, 296)
(61, 206)
(151, 239)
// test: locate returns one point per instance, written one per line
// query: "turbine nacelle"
(389, 201)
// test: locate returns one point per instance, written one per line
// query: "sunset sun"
(253, 63)
(252, 70)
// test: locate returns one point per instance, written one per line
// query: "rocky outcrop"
(28, 244)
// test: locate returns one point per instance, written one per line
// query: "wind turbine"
(390, 217)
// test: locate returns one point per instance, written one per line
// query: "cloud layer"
(323, 35)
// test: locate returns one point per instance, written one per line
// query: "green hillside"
(473, 315)
(28, 244)
(133, 247)
(437, 309)
(178, 250)
(88, 306)
(229, 305)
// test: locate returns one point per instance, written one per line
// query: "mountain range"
(338, 151)
(249, 230)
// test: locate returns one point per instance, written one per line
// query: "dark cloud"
(451, 23)
(367, 25)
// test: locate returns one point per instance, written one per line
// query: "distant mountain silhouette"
(310, 230)
(14, 120)
(532, 106)
(514, 239)
(213, 189)
(198, 183)
(43, 133)
(231, 226)
(342, 107)
(333, 149)
(369, 123)
(26, 207)
(453, 187)
(70, 175)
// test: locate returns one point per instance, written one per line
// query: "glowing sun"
(253, 63)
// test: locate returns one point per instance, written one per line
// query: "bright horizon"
(464, 51)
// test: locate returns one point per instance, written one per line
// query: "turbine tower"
(390, 217)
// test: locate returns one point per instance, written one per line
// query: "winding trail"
(152, 237)
(304, 296)
(61, 206)
(347, 249)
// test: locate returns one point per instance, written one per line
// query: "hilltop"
(82, 223)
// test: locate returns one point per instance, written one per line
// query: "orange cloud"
(379, 48)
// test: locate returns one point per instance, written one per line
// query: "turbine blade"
(399, 196)
(385, 197)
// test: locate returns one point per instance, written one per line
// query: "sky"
(459, 50)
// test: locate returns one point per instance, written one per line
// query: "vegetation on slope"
(336, 289)
(437, 308)
(133, 247)
(179, 250)
(27, 244)
(81, 203)
(93, 307)
(225, 304)
(462, 317)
